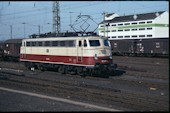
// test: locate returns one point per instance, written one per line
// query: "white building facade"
(138, 26)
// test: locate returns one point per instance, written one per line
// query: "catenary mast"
(56, 17)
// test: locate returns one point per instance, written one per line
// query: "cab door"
(80, 51)
(23, 50)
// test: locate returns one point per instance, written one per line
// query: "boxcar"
(11, 49)
(146, 47)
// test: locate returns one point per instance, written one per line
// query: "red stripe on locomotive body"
(65, 59)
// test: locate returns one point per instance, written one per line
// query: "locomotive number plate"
(104, 61)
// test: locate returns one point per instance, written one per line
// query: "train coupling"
(110, 66)
(113, 66)
(104, 70)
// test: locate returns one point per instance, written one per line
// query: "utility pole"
(56, 17)
(24, 28)
(104, 22)
(39, 29)
(107, 29)
(70, 20)
(11, 30)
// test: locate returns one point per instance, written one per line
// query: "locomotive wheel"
(61, 69)
(28, 65)
(78, 70)
(85, 72)
(41, 67)
(105, 73)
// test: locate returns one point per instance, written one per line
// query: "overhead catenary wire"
(36, 12)
(41, 9)
(50, 10)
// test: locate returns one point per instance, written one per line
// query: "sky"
(14, 14)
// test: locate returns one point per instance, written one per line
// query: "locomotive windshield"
(106, 42)
(94, 42)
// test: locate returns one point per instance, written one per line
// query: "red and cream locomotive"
(90, 55)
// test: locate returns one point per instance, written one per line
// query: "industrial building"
(138, 33)
(148, 25)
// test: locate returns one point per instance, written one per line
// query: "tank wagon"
(89, 55)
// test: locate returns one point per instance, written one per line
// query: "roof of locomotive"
(61, 38)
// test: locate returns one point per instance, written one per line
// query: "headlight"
(95, 57)
(111, 57)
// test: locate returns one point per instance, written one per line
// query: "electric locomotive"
(90, 55)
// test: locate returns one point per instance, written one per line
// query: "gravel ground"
(140, 84)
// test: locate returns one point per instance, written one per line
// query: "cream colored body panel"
(67, 51)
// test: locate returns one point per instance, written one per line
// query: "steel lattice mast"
(56, 17)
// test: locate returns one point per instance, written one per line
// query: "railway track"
(137, 88)
(84, 92)
(150, 68)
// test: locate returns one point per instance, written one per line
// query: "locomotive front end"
(102, 58)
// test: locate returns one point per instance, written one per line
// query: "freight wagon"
(11, 49)
(144, 47)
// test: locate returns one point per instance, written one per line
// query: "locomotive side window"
(55, 43)
(62, 43)
(33, 43)
(94, 42)
(39, 43)
(47, 43)
(28, 43)
(71, 43)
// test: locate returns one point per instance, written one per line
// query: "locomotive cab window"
(94, 42)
